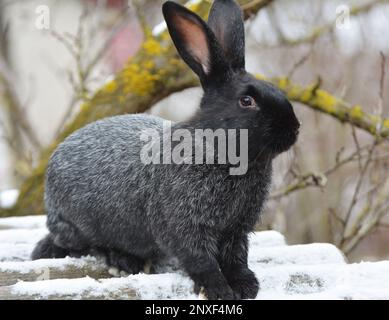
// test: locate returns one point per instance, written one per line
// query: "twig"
(356, 142)
(302, 182)
(83, 73)
(15, 107)
(299, 63)
(324, 29)
(364, 231)
(359, 185)
(380, 105)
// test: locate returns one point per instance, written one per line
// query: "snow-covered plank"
(313, 254)
(27, 222)
(314, 271)
(355, 281)
(365, 280)
(67, 268)
(141, 286)
(266, 248)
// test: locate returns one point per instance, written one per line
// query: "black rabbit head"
(233, 99)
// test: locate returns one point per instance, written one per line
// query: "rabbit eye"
(247, 102)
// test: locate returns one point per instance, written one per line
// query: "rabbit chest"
(238, 201)
(209, 196)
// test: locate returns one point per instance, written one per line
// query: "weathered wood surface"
(13, 272)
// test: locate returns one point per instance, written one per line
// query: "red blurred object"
(126, 42)
(124, 45)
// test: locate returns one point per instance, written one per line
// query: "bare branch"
(320, 31)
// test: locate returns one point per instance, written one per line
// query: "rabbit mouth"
(285, 142)
(290, 140)
(276, 146)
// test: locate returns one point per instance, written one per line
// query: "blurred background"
(55, 55)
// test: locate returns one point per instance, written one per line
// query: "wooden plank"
(12, 272)
(140, 286)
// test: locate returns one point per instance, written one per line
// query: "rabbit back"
(96, 182)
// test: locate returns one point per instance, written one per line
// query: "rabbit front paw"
(216, 292)
(244, 283)
(213, 286)
(122, 264)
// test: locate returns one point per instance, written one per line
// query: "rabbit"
(102, 199)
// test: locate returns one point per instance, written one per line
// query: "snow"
(28, 222)
(148, 287)
(8, 198)
(312, 271)
(61, 264)
(59, 286)
(308, 254)
(18, 236)
(355, 281)
(15, 252)
(267, 239)
(365, 280)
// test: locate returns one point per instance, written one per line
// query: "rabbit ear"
(226, 21)
(195, 42)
